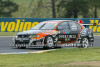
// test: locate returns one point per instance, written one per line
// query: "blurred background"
(50, 8)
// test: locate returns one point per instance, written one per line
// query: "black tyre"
(85, 42)
(49, 42)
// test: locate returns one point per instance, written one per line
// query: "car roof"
(58, 21)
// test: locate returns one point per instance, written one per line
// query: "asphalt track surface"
(6, 48)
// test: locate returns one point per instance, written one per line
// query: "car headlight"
(30, 36)
(35, 35)
(16, 36)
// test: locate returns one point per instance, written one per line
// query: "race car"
(55, 33)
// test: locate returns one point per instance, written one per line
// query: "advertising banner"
(23, 24)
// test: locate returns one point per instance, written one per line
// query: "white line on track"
(29, 52)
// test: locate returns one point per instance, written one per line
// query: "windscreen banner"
(23, 24)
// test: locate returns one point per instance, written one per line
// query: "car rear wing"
(81, 22)
(94, 24)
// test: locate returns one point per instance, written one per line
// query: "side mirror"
(59, 28)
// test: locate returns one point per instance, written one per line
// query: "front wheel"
(49, 42)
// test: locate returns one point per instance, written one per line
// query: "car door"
(64, 31)
(74, 31)
(68, 32)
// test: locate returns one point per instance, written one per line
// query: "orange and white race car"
(55, 33)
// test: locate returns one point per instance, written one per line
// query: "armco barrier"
(22, 24)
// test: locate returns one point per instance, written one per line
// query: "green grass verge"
(96, 33)
(7, 33)
(56, 58)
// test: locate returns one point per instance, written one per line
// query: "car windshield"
(38, 26)
(44, 26)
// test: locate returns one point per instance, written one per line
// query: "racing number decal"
(68, 32)
(67, 38)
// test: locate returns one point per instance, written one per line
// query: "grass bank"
(96, 33)
(56, 58)
(7, 33)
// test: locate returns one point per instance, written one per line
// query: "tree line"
(54, 8)
(83, 7)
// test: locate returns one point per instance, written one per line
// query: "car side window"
(73, 26)
(63, 25)
(79, 26)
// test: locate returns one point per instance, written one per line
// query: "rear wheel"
(85, 42)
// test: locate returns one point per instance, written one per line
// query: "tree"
(94, 4)
(7, 7)
(74, 7)
(44, 9)
(53, 8)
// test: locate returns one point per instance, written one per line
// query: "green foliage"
(74, 7)
(7, 7)
(95, 5)
(94, 2)
(43, 8)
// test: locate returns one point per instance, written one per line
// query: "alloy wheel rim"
(85, 43)
(50, 42)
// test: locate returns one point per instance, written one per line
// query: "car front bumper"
(27, 43)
